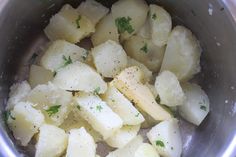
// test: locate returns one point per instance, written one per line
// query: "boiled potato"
(24, 121)
(123, 136)
(109, 58)
(144, 51)
(105, 30)
(128, 150)
(122, 106)
(80, 143)
(149, 121)
(52, 141)
(146, 150)
(182, 55)
(69, 25)
(129, 16)
(147, 74)
(17, 93)
(39, 75)
(196, 107)
(98, 114)
(93, 10)
(61, 53)
(165, 137)
(79, 76)
(145, 32)
(54, 102)
(153, 89)
(169, 89)
(129, 83)
(160, 25)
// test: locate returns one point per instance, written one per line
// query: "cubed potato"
(128, 150)
(18, 92)
(129, 83)
(123, 136)
(105, 30)
(52, 141)
(54, 102)
(166, 138)
(80, 143)
(160, 25)
(147, 74)
(69, 25)
(24, 121)
(93, 10)
(182, 55)
(129, 16)
(146, 150)
(144, 31)
(79, 77)
(169, 89)
(61, 53)
(98, 114)
(149, 121)
(197, 105)
(153, 89)
(144, 51)
(122, 106)
(109, 58)
(39, 75)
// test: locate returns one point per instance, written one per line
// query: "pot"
(21, 40)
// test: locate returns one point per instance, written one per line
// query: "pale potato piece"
(133, 10)
(54, 102)
(69, 25)
(80, 143)
(147, 74)
(146, 150)
(79, 77)
(128, 150)
(59, 54)
(109, 58)
(197, 105)
(39, 75)
(129, 83)
(24, 121)
(18, 92)
(93, 10)
(169, 89)
(166, 138)
(52, 141)
(153, 89)
(149, 121)
(105, 30)
(145, 32)
(123, 136)
(160, 25)
(122, 106)
(144, 51)
(182, 55)
(98, 114)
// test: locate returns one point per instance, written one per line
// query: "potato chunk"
(52, 141)
(24, 121)
(109, 58)
(146, 150)
(169, 89)
(197, 105)
(145, 32)
(182, 55)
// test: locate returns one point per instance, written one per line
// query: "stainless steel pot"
(21, 39)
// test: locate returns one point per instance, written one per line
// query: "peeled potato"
(105, 30)
(133, 12)
(160, 25)
(196, 107)
(144, 31)
(146, 150)
(144, 51)
(182, 55)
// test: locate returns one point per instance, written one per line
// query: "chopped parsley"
(144, 48)
(96, 91)
(99, 108)
(154, 16)
(78, 107)
(7, 115)
(53, 110)
(112, 100)
(158, 99)
(54, 73)
(85, 55)
(202, 107)
(78, 21)
(137, 115)
(67, 61)
(160, 143)
(123, 24)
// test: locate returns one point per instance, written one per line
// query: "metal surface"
(21, 36)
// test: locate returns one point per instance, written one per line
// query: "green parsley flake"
(54, 73)
(154, 16)
(7, 115)
(123, 24)
(53, 110)
(78, 21)
(160, 143)
(85, 55)
(96, 91)
(67, 61)
(144, 48)
(99, 108)
(202, 107)
(137, 115)
(78, 107)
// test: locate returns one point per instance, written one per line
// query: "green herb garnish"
(158, 99)
(154, 16)
(137, 115)
(53, 110)
(123, 24)
(7, 115)
(99, 108)
(96, 91)
(144, 48)
(85, 55)
(54, 73)
(160, 143)
(202, 107)
(78, 21)
(67, 61)
(78, 107)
